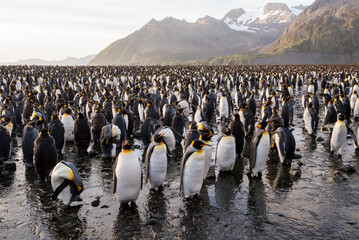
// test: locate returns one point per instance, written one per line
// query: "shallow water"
(322, 203)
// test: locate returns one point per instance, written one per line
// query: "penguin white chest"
(68, 123)
(208, 158)
(226, 154)
(262, 152)
(193, 174)
(158, 166)
(339, 135)
(128, 176)
(223, 107)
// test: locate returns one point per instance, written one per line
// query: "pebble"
(151, 221)
(320, 139)
(295, 171)
(95, 203)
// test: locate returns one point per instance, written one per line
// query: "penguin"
(287, 113)
(259, 150)
(311, 119)
(247, 118)
(206, 138)
(127, 175)
(98, 121)
(82, 133)
(168, 137)
(178, 123)
(156, 162)
(109, 138)
(226, 152)
(339, 135)
(28, 141)
(252, 104)
(330, 116)
(285, 143)
(192, 169)
(237, 130)
(170, 111)
(57, 131)
(151, 111)
(148, 128)
(199, 115)
(68, 123)
(120, 122)
(45, 154)
(66, 183)
(223, 107)
(191, 135)
(5, 144)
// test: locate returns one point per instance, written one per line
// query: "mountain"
(173, 41)
(326, 27)
(70, 61)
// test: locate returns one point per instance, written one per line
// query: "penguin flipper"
(147, 159)
(59, 189)
(183, 163)
(114, 178)
(253, 152)
(352, 134)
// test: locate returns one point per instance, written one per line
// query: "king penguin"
(192, 169)
(109, 138)
(168, 137)
(259, 150)
(5, 144)
(127, 175)
(191, 135)
(285, 143)
(45, 154)
(339, 135)
(156, 162)
(206, 138)
(226, 151)
(57, 131)
(68, 122)
(82, 133)
(30, 134)
(66, 183)
(237, 129)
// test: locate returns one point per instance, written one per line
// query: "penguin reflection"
(257, 201)
(284, 180)
(127, 224)
(310, 144)
(194, 223)
(157, 209)
(225, 189)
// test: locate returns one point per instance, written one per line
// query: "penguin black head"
(263, 125)
(55, 116)
(310, 105)
(126, 145)
(341, 117)
(158, 138)
(236, 117)
(44, 132)
(68, 111)
(193, 125)
(198, 144)
(180, 110)
(206, 137)
(226, 131)
(80, 115)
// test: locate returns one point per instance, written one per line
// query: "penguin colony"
(175, 111)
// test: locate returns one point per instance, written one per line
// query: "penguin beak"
(203, 145)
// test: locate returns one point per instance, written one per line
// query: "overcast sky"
(56, 29)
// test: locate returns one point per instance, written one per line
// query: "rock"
(297, 156)
(151, 221)
(300, 163)
(93, 153)
(95, 203)
(295, 171)
(320, 139)
(10, 166)
(104, 206)
(106, 170)
(211, 172)
(348, 169)
(297, 150)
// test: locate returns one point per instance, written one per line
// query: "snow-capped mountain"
(271, 17)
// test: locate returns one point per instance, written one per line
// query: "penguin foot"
(124, 206)
(160, 188)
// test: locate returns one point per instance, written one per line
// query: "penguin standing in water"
(127, 175)
(206, 138)
(110, 137)
(259, 150)
(226, 151)
(30, 134)
(247, 118)
(82, 133)
(120, 122)
(191, 135)
(57, 131)
(66, 183)
(285, 143)
(45, 154)
(5, 144)
(311, 119)
(192, 169)
(68, 123)
(237, 130)
(156, 162)
(339, 135)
